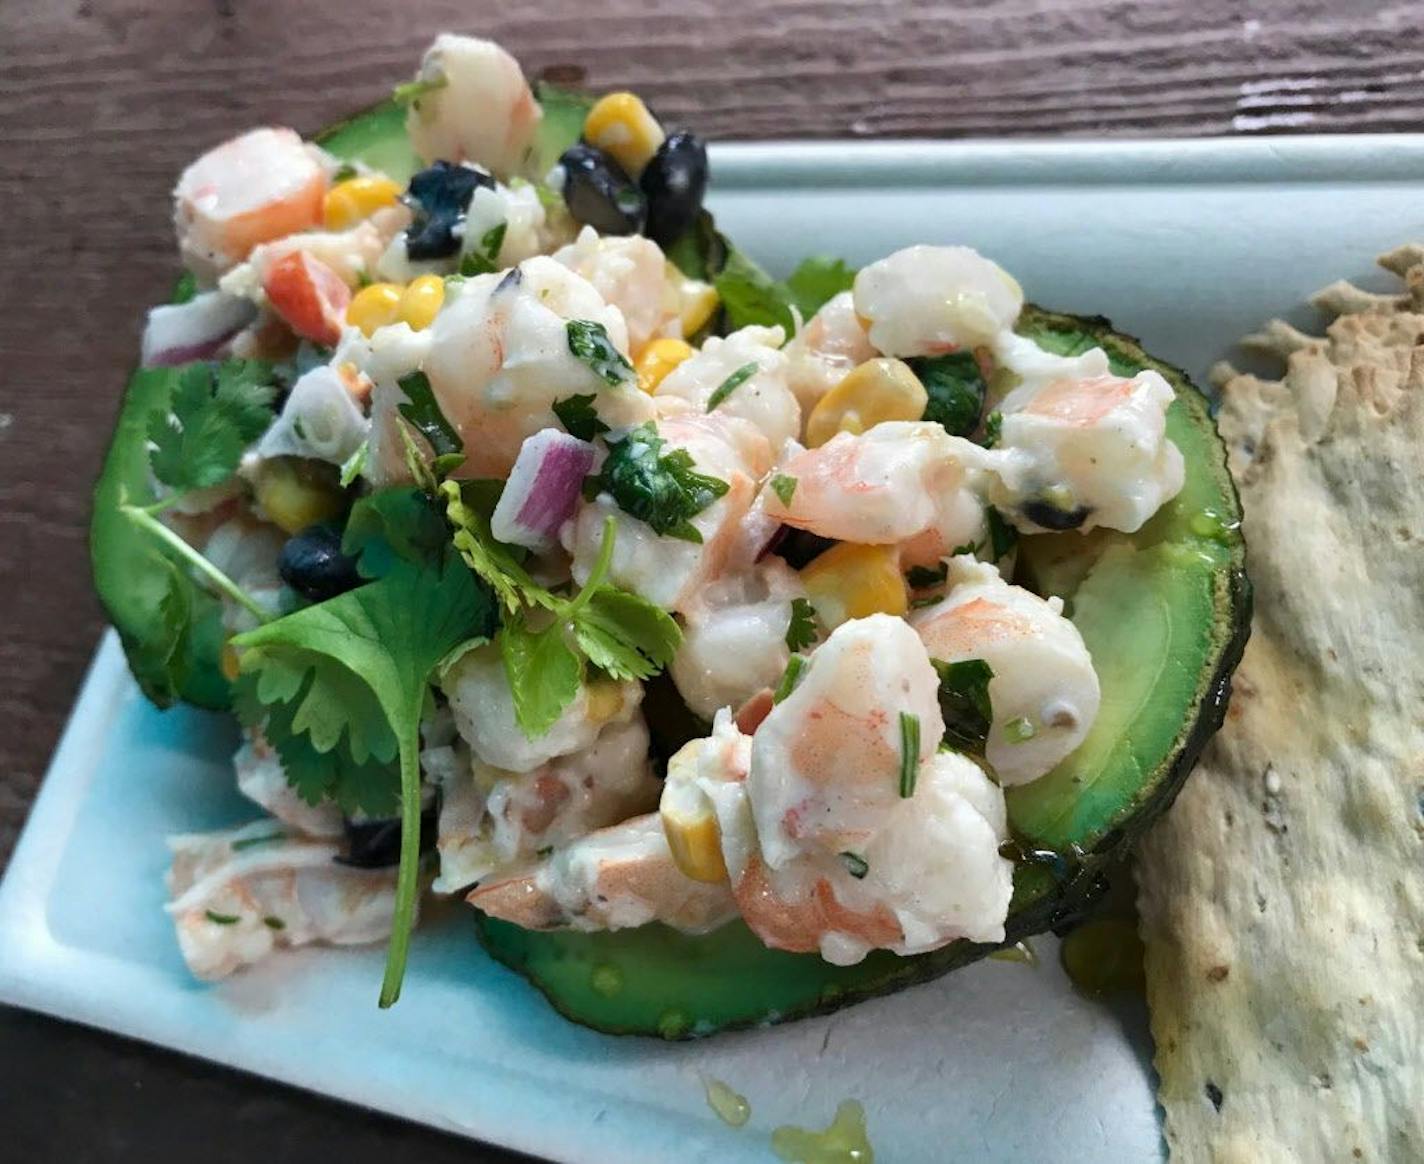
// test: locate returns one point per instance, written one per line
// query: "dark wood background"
(102, 103)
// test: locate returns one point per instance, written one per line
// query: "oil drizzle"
(731, 1108)
(844, 1142)
(1018, 952)
(1104, 957)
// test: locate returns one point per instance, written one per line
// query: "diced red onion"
(181, 332)
(542, 489)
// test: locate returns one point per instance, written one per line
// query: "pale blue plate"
(1188, 245)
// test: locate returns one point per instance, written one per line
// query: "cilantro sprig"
(577, 415)
(964, 703)
(215, 412)
(801, 631)
(662, 489)
(484, 260)
(751, 296)
(589, 341)
(547, 640)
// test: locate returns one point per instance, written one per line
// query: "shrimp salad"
(485, 468)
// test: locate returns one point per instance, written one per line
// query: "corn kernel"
(697, 302)
(421, 301)
(294, 492)
(375, 306)
(356, 199)
(229, 663)
(689, 820)
(657, 359)
(605, 700)
(621, 126)
(854, 581)
(869, 394)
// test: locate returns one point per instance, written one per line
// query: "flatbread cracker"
(1282, 897)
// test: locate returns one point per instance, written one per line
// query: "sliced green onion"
(909, 753)
(792, 676)
(856, 865)
(221, 919)
(731, 384)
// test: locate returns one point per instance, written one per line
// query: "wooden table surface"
(101, 104)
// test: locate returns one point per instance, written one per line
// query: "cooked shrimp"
(830, 345)
(748, 360)
(664, 569)
(612, 879)
(252, 189)
(888, 485)
(492, 819)
(630, 272)
(734, 637)
(240, 894)
(483, 110)
(1077, 453)
(483, 706)
(1044, 693)
(927, 301)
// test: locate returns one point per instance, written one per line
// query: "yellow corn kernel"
(295, 492)
(229, 663)
(421, 301)
(605, 700)
(854, 581)
(621, 126)
(697, 301)
(375, 306)
(356, 199)
(657, 359)
(869, 394)
(689, 820)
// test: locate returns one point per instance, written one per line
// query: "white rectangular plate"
(1187, 245)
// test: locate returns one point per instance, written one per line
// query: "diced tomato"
(309, 295)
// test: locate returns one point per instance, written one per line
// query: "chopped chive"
(784, 486)
(909, 753)
(222, 919)
(251, 842)
(274, 923)
(856, 865)
(1019, 730)
(731, 384)
(794, 666)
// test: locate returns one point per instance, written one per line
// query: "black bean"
(375, 844)
(675, 182)
(1048, 516)
(599, 194)
(313, 565)
(439, 196)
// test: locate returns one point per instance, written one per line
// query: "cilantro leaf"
(965, 704)
(625, 634)
(801, 631)
(393, 524)
(215, 412)
(816, 281)
(370, 653)
(590, 343)
(784, 486)
(493, 561)
(578, 417)
(956, 389)
(662, 489)
(423, 411)
(485, 260)
(1002, 536)
(543, 671)
(922, 577)
(731, 384)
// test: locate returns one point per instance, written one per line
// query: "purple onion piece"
(179, 333)
(542, 490)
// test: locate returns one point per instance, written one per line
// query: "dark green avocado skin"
(655, 981)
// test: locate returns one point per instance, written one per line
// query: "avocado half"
(1165, 613)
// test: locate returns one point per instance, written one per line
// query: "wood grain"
(102, 103)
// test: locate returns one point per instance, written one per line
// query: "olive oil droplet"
(844, 1142)
(1018, 952)
(732, 1109)
(1104, 957)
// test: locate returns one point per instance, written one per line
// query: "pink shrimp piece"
(800, 925)
(261, 186)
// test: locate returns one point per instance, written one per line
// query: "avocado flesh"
(1164, 612)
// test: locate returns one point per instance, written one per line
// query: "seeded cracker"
(1282, 898)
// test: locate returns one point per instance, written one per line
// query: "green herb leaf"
(590, 343)
(274, 923)
(485, 260)
(784, 486)
(909, 754)
(355, 464)
(215, 412)
(543, 671)
(856, 865)
(577, 415)
(923, 577)
(1002, 536)
(663, 490)
(489, 558)
(423, 411)
(789, 678)
(993, 429)
(344, 173)
(731, 384)
(371, 651)
(964, 702)
(801, 631)
(966, 548)
(817, 281)
(624, 634)
(221, 919)
(956, 389)
(410, 92)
